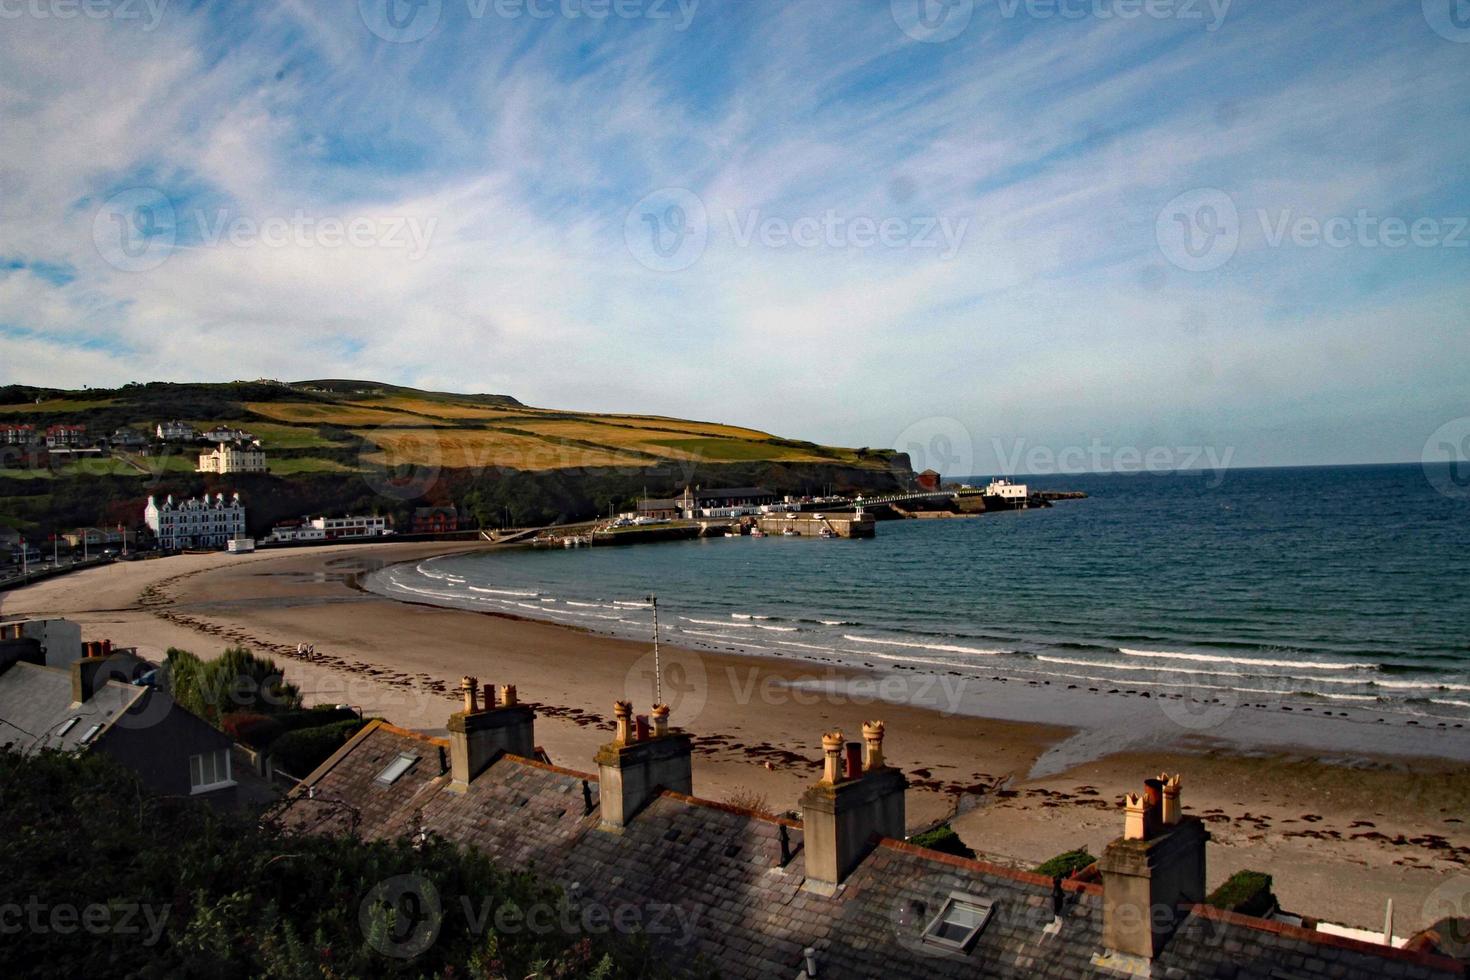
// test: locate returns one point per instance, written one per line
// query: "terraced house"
(838, 893)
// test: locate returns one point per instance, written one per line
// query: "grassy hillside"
(338, 445)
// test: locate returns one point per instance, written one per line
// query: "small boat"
(757, 533)
(790, 532)
(827, 532)
(733, 533)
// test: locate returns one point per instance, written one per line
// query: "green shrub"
(313, 717)
(299, 752)
(1246, 892)
(943, 839)
(1066, 864)
(237, 681)
(190, 891)
(254, 729)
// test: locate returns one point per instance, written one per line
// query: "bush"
(1246, 892)
(313, 717)
(299, 752)
(195, 892)
(1066, 864)
(944, 840)
(237, 681)
(254, 729)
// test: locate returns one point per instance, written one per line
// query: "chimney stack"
(1156, 866)
(87, 675)
(480, 733)
(848, 808)
(638, 763)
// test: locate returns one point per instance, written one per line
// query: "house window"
(209, 771)
(959, 922)
(396, 768)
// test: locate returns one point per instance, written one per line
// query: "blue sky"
(1001, 229)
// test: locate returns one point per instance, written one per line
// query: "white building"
(210, 522)
(177, 431)
(329, 528)
(232, 459)
(1006, 490)
(223, 433)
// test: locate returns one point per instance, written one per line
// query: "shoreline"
(1327, 823)
(1108, 711)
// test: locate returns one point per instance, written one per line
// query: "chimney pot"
(508, 697)
(660, 720)
(643, 730)
(873, 736)
(468, 685)
(854, 761)
(623, 714)
(1153, 797)
(832, 750)
(1134, 825)
(488, 691)
(1171, 811)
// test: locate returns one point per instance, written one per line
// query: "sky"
(1000, 235)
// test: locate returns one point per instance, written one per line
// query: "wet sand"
(1345, 812)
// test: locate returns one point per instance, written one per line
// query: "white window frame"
(982, 906)
(196, 772)
(395, 770)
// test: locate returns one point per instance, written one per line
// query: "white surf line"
(1244, 661)
(937, 647)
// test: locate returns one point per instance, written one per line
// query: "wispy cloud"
(512, 149)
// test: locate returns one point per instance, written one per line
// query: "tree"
(237, 681)
(108, 881)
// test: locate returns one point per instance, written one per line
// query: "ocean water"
(1335, 584)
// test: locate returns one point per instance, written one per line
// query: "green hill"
(344, 445)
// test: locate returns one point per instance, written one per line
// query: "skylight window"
(396, 768)
(90, 734)
(959, 922)
(67, 726)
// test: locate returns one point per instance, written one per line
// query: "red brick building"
(435, 520)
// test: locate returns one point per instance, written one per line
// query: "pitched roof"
(36, 704)
(707, 879)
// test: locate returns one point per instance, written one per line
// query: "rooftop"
(718, 881)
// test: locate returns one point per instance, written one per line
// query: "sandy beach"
(1346, 812)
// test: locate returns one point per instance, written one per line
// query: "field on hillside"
(347, 426)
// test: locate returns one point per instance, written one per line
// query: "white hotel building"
(210, 522)
(329, 528)
(230, 459)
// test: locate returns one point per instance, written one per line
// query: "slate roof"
(35, 703)
(707, 880)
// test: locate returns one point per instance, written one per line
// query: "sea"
(1319, 586)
